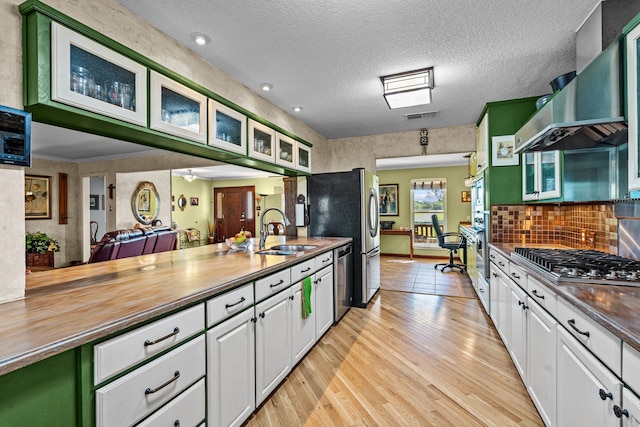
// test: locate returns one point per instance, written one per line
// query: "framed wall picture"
(465, 196)
(502, 151)
(388, 194)
(37, 197)
(94, 202)
(194, 201)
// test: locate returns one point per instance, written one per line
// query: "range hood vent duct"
(425, 115)
(588, 112)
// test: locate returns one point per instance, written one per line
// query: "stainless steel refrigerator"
(346, 204)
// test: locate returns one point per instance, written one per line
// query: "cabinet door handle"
(277, 284)
(176, 375)
(176, 331)
(500, 264)
(524, 306)
(235, 303)
(619, 412)
(261, 315)
(572, 323)
(535, 294)
(305, 270)
(603, 394)
(292, 297)
(254, 319)
(495, 274)
(176, 423)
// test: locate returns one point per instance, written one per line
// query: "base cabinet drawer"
(126, 350)
(137, 394)
(186, 410)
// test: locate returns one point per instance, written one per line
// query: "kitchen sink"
(293, 247)
(275, 252)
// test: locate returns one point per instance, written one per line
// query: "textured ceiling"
(328, 55)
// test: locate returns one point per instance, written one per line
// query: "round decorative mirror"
(145, 203)
(182, 202)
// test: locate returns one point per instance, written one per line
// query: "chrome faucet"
(263, 230)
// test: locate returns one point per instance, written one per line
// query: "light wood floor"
(408, 359)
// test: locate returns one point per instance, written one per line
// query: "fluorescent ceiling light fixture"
(190, 177)
(408, 89)
(266, 86)
(200, 38)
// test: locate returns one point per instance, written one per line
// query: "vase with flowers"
(40, 248)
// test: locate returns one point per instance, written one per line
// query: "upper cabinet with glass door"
(632, 41)
(177, 110)
(541, 175)
(262, 142)
(286, 150)
(90, 76)
(227, 128)
(304, 158)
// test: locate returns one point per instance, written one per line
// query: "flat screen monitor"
(15, 137)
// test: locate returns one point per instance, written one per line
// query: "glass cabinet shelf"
(286, 150)
(177, 110)
(262, 142)
(90, 76)
(227, 128)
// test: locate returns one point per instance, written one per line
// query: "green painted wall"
(43, 394)
(457, 211)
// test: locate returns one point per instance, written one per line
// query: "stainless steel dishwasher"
(343, 280)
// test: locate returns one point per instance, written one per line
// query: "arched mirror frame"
(145, 188)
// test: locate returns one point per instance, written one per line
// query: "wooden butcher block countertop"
(65, 308)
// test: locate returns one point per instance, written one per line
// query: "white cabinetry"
(587, 390)
(541, 175)
(273, 343)
(541, 360)
(185, 410)
(303, 329)
(131, 398)
(324, 300)
(482, 145)
(500, 301)
(630, 410)
(231, 358)
(517, 313)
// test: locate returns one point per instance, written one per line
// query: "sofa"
(126, 243)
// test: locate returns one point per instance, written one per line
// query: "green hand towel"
(306, 297)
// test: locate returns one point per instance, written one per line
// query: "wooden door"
(234, 209)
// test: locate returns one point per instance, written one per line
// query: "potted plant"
(40, 248)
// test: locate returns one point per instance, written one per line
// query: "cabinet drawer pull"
(176, 375)
(326, 260)
(603, 394)
(305, 270)
(572, 323)
(235, 303)
(515, 275)
(535, 294)
(619, 412)
(176, 331)
(277, 284)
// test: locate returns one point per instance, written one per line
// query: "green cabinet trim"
(37, 18)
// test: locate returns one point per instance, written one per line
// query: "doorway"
(234, 209)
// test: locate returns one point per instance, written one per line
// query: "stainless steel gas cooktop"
(581, 266)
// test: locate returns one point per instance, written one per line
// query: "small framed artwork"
(502, 149)
(194, 201)
(465, 196)
(388, 199)
(94, 202)
(37, 197)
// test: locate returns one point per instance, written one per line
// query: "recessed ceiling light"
(200, 38)
(297, 108)
(266, 86)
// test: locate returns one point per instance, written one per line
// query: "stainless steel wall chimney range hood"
(587, 113)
